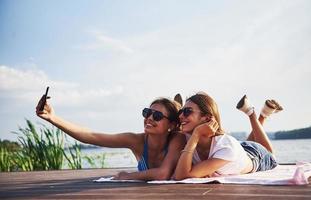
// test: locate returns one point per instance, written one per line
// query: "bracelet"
(187, 151)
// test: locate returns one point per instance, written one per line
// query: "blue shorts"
(262, 159)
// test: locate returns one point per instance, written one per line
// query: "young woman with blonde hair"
(211, 152)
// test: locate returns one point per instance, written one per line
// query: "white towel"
(110, 179)
(281, 175)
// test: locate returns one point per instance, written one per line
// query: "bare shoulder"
(133, 138)
(137, 144)
(178, 139)
(178, 136)
(138, 136)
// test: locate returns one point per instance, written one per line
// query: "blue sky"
(106, 60)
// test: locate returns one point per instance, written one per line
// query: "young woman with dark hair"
(156, 149)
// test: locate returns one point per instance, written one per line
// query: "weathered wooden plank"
(78, 184)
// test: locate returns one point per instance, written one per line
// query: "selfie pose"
(157, 149)
(211, 152)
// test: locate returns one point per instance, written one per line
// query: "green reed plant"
(22, 162)
(7, 155)
(90, 160)
(95, 161)
(74, 158)
(40, 151)
(5, 160)
(101, 159)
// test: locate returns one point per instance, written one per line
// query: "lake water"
(291, 151)
(286, 151)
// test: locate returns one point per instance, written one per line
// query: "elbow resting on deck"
(163, 175)
(179, 177)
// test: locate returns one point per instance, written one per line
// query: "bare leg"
(261, 120)
(258, 134)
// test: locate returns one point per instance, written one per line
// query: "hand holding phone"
(43, 100)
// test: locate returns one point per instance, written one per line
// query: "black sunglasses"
(156, 115)
(187, 111)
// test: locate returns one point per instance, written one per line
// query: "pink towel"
(281, 175)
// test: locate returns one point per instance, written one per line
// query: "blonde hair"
(208, 107)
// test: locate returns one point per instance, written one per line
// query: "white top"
(225, 147)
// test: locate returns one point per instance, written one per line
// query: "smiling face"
(204, 108)
(152, 126)
(188, 123)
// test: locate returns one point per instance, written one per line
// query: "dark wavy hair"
(171, 108)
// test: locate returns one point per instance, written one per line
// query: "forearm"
(184, 164)
(147, 175)
(192, 142)
(80, 133)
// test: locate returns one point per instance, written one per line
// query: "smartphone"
(43, 99)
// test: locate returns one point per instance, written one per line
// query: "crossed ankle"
(250, 112)
(245, 106)
(271, 106)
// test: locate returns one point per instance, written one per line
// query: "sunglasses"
(187, 111)
(156, 115)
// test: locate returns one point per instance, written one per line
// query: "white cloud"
(28, 85)
(226, 53)
(13, 79)
(20, 91)
(261, 49)
(103, 41)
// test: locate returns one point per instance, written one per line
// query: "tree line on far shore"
(301, 133)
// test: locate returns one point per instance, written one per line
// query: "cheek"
(163, 126)
(195, 121)
(191, 126)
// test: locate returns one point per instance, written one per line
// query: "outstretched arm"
(165, 171)
(126, 140)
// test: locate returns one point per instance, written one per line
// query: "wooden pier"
(78, 184)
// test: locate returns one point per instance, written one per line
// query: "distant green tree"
(294, 134)
(10, 145)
